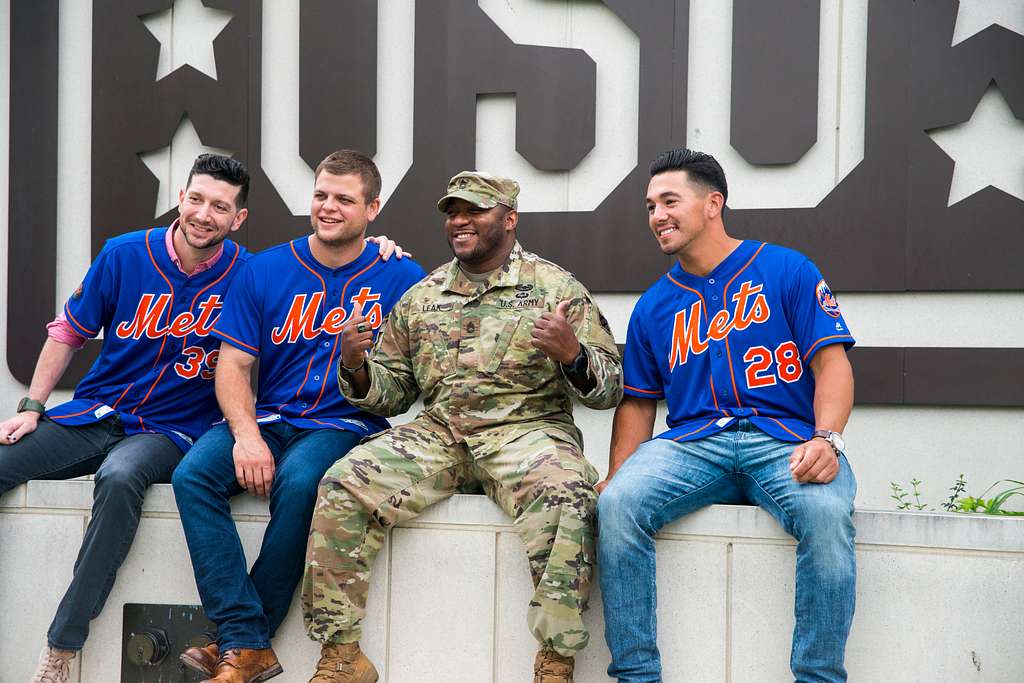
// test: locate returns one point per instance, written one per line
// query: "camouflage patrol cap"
(481, 189)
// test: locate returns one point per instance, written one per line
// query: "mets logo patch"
(826, 299)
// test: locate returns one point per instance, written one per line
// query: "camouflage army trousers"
(544, 483)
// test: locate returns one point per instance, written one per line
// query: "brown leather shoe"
(202, 660)
(245, 666)
(343, 664)
(551, 667)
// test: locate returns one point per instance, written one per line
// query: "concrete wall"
(939, 596)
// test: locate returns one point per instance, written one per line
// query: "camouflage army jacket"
(466, 348)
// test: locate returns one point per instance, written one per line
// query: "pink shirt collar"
(173, 255)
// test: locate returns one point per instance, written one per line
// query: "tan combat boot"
(551, 667)
(343, 663)
(54, 666)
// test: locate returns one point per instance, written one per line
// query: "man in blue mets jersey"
(155, 294)
(745, 342)
(285, 308)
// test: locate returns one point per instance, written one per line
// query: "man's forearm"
(54, 359)
(234, 394)
(632, 425)
(833, 390)
(358, 380)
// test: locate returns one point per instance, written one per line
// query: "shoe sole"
(268, 674)
(194, 665)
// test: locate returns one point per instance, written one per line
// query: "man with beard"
(285, 308)
(745, 342)
(155, 294)
(497, 342)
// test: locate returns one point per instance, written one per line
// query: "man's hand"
(254, 465)
(602, 485)
(356, 338)
(387, 247)
(814, 461)
(18, 426)
(552, 335)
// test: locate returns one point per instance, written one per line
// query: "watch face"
(837, 441)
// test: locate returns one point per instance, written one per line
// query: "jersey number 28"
(788, 367)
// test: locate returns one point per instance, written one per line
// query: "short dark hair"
(231, 171)
(702, 169)
(349, 161)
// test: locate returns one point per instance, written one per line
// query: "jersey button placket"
(716, 348)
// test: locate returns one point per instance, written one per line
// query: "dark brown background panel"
(774, 117)
(857, 234)
(32, 211)
(32, 236)
(977, 377)
(134, 113)
(976, 243)
(337, 77)
(555, 89)
(886, 226)
(877, 374)
(904, 376)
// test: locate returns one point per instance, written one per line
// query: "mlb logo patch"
(826, 299)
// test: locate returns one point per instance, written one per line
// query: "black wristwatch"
(349, 372)
(578, 367)
(833, 439)
(27, 403)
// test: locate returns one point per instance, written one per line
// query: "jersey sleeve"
(640, 368)
(814, 314)
(241, 319)
(92, 305)
(411, 274)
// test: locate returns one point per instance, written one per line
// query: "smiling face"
(679, 210)
(481, 239)
(207, 212)
(339, 212)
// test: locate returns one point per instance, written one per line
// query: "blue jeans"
(664, 480)
(248, 607)
(124, 466)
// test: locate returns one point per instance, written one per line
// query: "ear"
(511, 219)
(239, 219)
(181, 198)
(713, 204)
(372, 209)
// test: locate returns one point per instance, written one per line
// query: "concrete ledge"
(725, 582)
(874, 527)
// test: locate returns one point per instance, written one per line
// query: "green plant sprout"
(957, 501)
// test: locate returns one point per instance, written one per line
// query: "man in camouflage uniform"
(497, 341)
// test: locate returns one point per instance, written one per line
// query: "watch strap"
(827, 436)
(26, 404)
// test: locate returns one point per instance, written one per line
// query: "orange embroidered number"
(195, 360)
(759, 359)
(211, 364)
(787, 358)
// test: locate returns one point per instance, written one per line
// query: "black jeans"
(124, 467)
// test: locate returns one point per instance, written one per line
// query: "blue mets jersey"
(155, 369)
(288, 309)
(735, 343)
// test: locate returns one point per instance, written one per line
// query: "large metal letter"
(841, 79)
(291, 176)
(615, 49)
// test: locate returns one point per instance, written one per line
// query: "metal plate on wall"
(153, 636)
